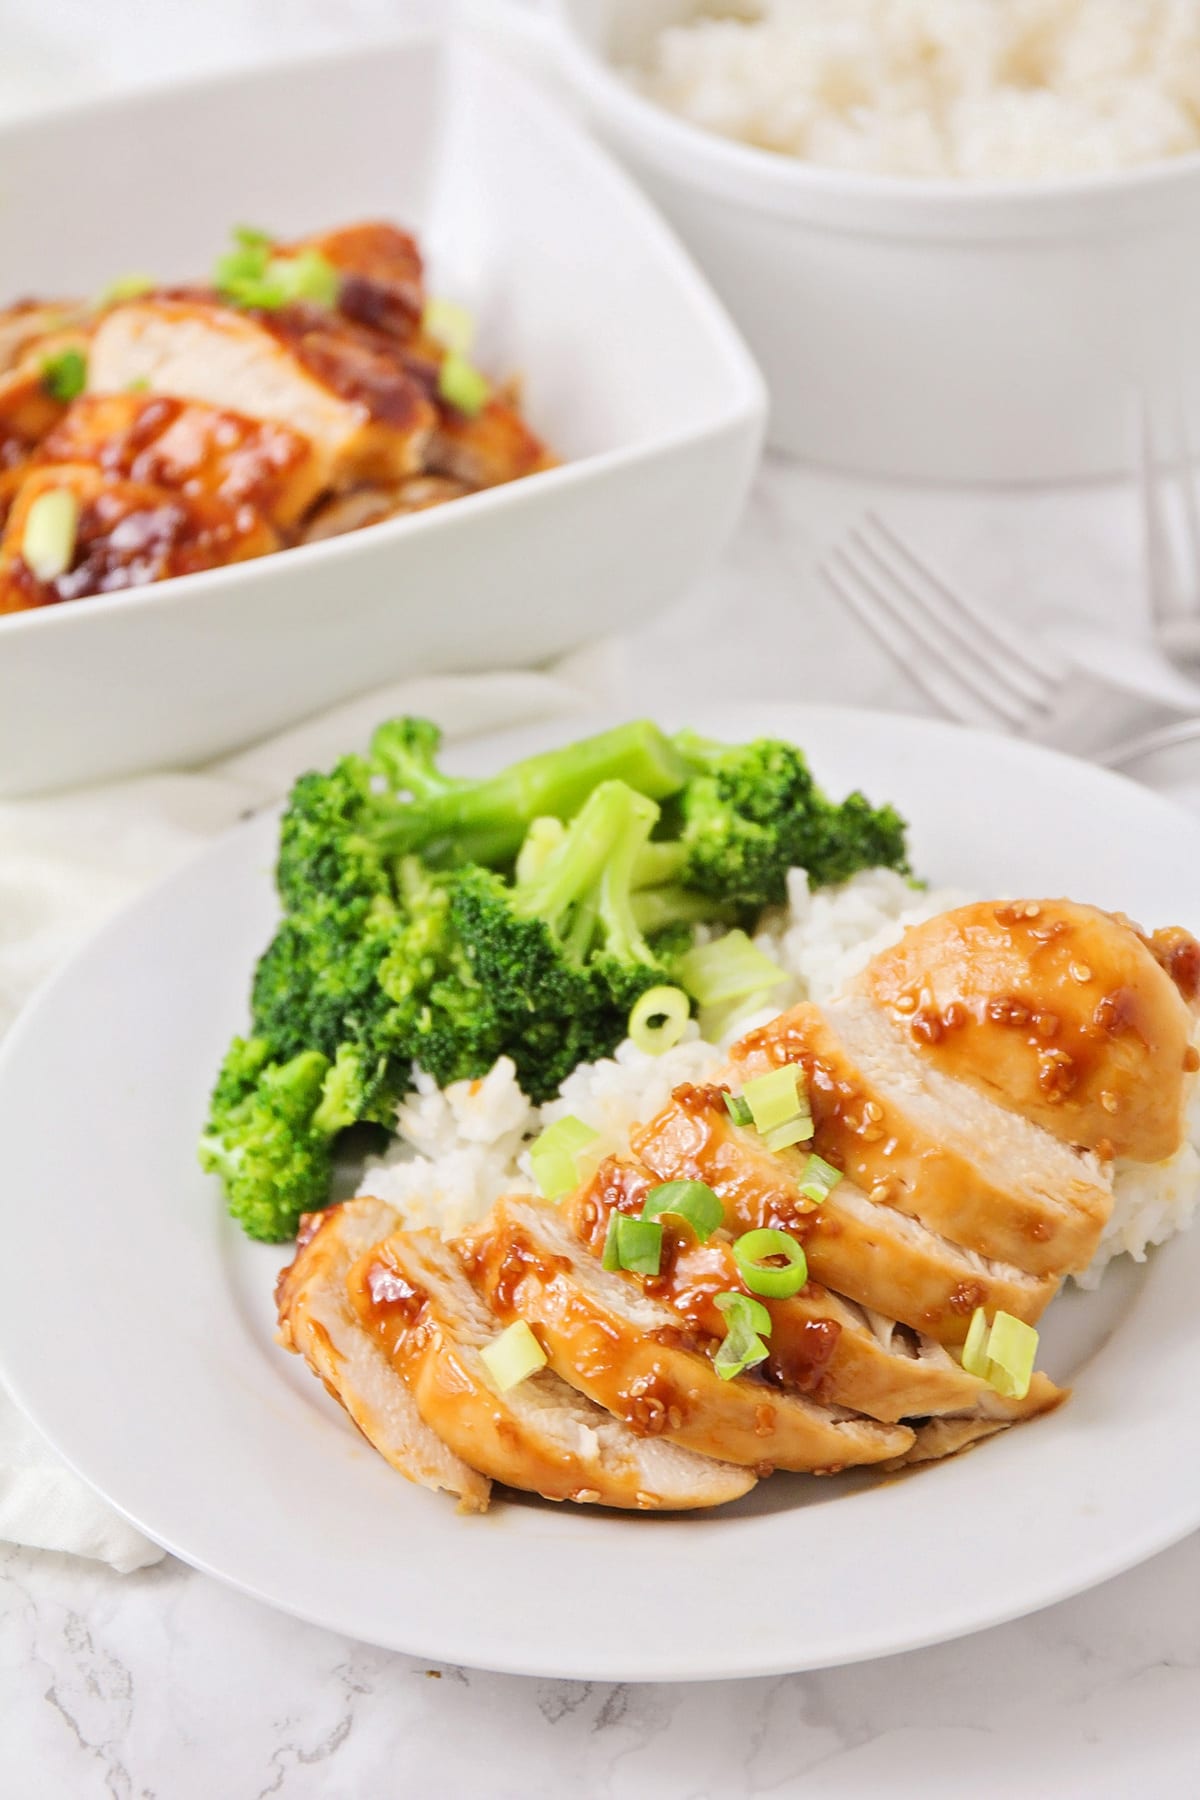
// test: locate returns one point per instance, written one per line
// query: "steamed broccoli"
(441, 923)
(748, 813)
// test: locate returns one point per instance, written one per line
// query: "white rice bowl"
(1016, 90)
(458, 1149)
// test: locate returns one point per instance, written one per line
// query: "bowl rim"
(776, 181)
(745, 406)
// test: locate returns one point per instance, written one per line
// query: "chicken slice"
(870, 1252)
(1058, 1012)
(332, 382)
(412, 1294)
(318, 1321)
(195, 450)
(821, 1344)
(935, 1148)
(370, 506)
(128, 534)
(634, 1355)
(383, 281)
(485, 451)
(28, 321)
(940, 1438)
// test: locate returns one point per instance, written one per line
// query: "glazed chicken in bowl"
(311, 389)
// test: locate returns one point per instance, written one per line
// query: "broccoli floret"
(264, 1141)
(559, 953)
(751, 812)
(452, 823)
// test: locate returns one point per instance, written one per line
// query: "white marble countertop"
(165, 1685)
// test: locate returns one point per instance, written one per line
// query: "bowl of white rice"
(960, 235)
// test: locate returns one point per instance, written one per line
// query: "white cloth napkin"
(69, 860)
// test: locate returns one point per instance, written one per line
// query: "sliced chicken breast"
(318, 1321)
(195, 450)
(412, 1294)
(127, 534)
(871, 1253)
(25, 325)
(1059, 1012)
(383, 282)
(820, 1343)
(485, 451)
(938, 1149)
(304, 367)
(635, 1356)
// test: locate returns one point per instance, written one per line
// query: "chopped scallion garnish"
(64, 376)
(449, 324)
(1004, 1356)
(819, 1179)
(659, 1019)
(775, 1099)
(125, 287)
(48, 540)
(691, 1201)
(513, 1357)
(462, 386)
(742, 1345)
(730, 968)
(554, 1156)
(796, 1131)
(738, 1110)
(633, 1244)
(752, 1253)
(250, 276)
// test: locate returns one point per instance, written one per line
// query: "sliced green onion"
(796, 1131)
(48, 541)
(554, 1155)
(611, 1258)
(775, 1099)
(742, 1345)
(513, 1357)
(819, 1179)
(974, 1350)
(1012, 1351)
(125, 287)
(462, 386)
(729, 968)
(691, 1201)
(633, 1244)
(64, 376)
(250, 276)
(1004, 1356)
(659, 1019)
(738, 1110)
(449, 324)
(751, 1253)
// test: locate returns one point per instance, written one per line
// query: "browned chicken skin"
(1057, 1011)
(320, 418)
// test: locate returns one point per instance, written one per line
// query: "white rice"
(460, 1148)
(970, 89)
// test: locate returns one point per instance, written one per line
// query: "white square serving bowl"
(632, 373)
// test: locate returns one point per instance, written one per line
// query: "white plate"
(136, 1321)
(632, 373)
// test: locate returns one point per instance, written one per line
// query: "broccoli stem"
(657, 908)
(658, 865)
(486, 821)
(618, 921)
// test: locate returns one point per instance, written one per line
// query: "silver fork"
(1167, 491)
(975, 669)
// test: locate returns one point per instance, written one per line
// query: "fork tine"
(1190, 598)
(999, 653)
(913, 646)
(1154, 534)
